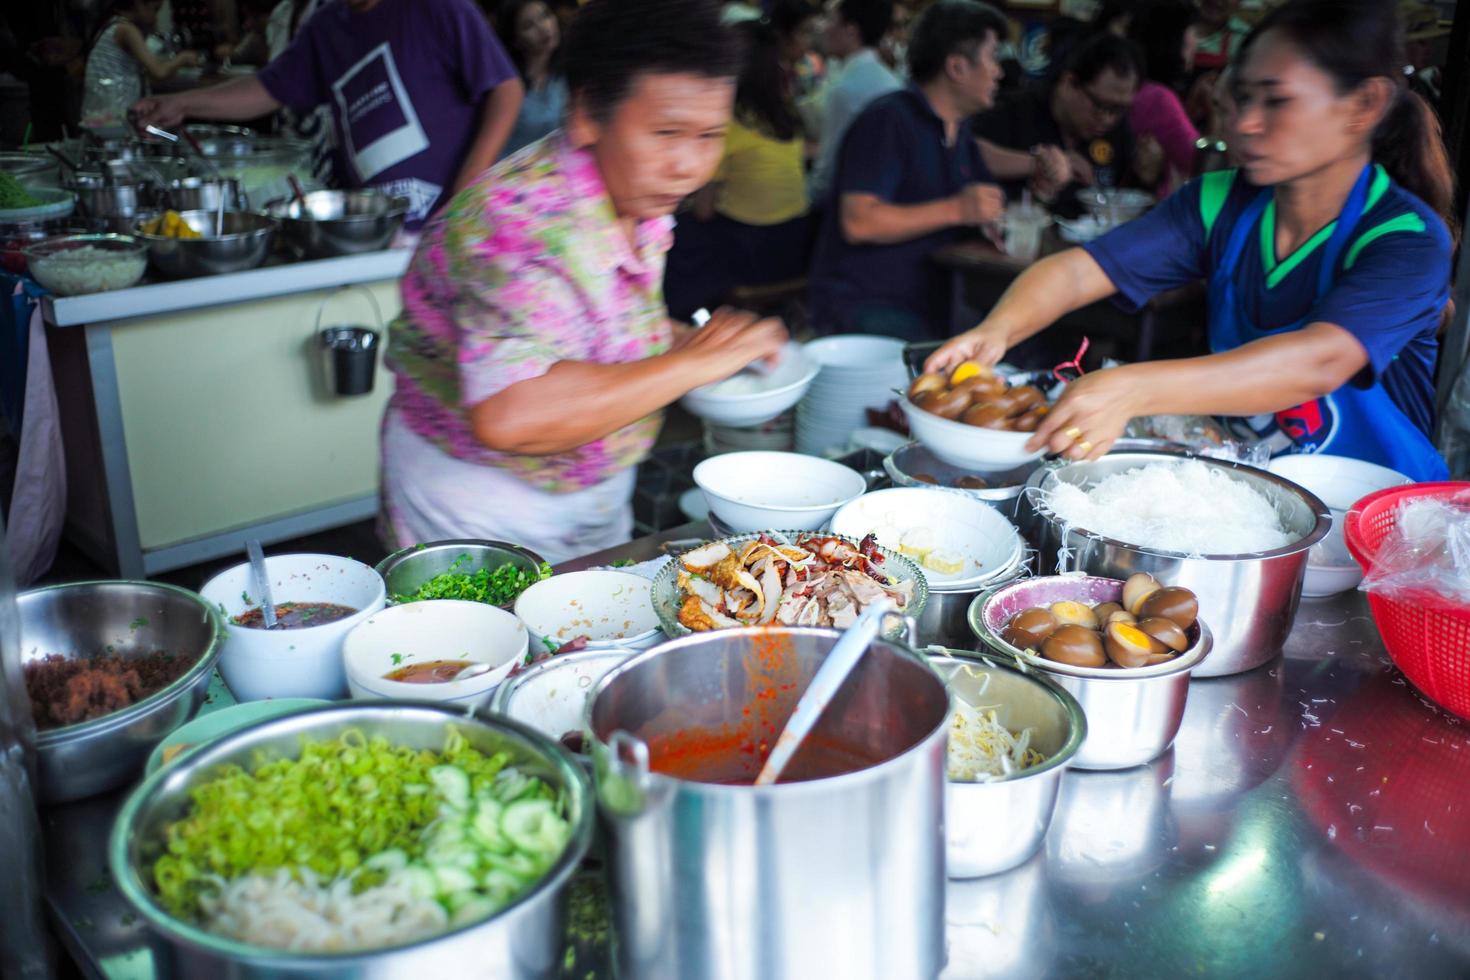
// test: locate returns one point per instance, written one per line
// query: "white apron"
(429, 495)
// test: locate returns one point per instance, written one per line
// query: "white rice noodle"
(1188, 508)
(302, 914)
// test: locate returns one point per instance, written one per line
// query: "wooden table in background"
(979, 273)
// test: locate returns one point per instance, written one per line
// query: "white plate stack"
(857, 372)
(774, 436)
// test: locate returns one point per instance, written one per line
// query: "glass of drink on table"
(1023, 224)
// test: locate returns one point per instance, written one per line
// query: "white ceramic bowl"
(967, 446)
(952, 520)
(292, 663)
(758, 491)
(751, 398)
(1339, 482)
(857, 354)
(551, 696)
(420, 632)
(610, 608)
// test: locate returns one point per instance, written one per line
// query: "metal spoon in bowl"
(840, 661)
(262, 583)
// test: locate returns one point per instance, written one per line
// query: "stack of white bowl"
(856, 373)
(773, 436)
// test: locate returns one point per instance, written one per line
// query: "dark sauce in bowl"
(295, 615)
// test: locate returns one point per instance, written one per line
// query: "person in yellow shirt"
(749, 225)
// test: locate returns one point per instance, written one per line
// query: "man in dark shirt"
(908, 179)
(1085, 114)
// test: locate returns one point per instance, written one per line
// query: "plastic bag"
(1428, 550)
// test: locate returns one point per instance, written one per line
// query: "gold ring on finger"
(1073, 433)
(1085, 446)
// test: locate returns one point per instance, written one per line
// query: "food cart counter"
(196, 414)
(1311, 819)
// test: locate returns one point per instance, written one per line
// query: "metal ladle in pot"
(824, 686)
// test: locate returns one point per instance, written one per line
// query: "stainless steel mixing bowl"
(1249, 600)
(405, 571)
(244, 245)
(330, 223)
(129, 619)
(522, 940)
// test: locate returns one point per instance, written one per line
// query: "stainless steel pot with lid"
(838, 875)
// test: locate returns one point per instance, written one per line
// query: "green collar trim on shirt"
(1407, 222)
(1214, 188)
(1276, 272)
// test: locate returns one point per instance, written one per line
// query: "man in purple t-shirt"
(421, 92)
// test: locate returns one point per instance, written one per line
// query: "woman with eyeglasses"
(1072, 132)
(1327, 255)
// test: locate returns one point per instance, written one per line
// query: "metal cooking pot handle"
(635, 746)
(377, 312)
(622, 786)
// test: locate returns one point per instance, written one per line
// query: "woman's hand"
(984, 345)
(163, 111)
(730, 341)
(1091, 414)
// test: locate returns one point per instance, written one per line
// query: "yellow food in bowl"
(170, 224)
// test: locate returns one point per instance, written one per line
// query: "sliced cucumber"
(450, 879)
(533, 826)
(452, 784)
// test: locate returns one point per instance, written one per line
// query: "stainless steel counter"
(1312, 819)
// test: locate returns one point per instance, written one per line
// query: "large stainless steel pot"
(840, 876)
(522, 940)
(1132, 715)
(995, 826)
(129, 619)
(1250, 601)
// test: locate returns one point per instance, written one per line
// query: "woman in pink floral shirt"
(534, 353)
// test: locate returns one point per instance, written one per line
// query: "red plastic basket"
(1427, 635)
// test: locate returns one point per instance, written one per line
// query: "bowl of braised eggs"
(1124, 650)
(974, 418)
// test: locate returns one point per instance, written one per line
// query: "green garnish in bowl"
(497, 587)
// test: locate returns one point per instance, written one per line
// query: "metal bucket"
(351, 351)
(1250, 601)
(836, 876)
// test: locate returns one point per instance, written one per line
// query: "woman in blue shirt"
(532, 38)
(1327, 256)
